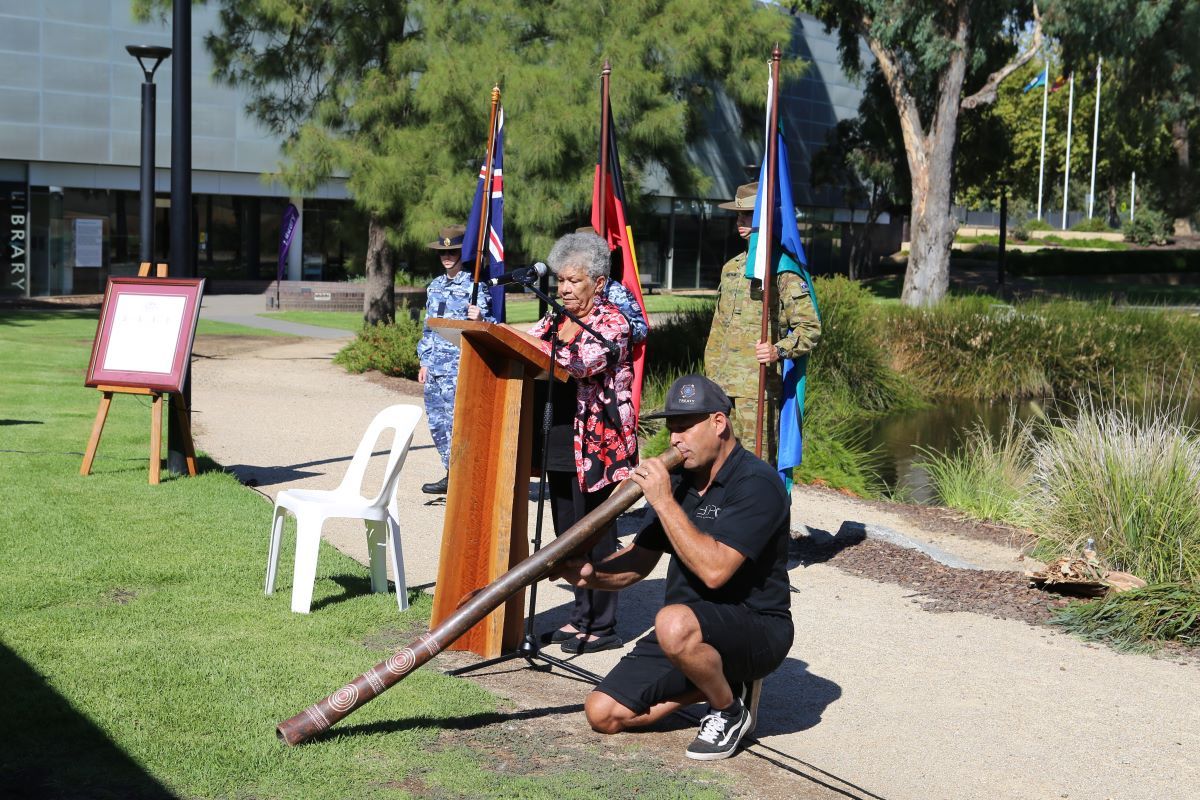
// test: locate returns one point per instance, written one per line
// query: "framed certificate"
(145, 335)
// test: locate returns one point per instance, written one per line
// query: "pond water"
(897, 440)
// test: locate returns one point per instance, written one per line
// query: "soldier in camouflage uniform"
(734, 349)
(448, 297)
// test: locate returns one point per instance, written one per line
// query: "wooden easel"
(189, 449)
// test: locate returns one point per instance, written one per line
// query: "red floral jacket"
(605, 434)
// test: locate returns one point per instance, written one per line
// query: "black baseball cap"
(693, 394)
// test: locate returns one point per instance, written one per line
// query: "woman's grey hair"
(586, 250)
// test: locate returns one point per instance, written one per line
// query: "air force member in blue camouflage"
(448, 297)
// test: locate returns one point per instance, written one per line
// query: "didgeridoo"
(321, 716)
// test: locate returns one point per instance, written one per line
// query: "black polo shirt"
(746, 508)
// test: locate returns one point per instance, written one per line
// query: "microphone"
(524, 275)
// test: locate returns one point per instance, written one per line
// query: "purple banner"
(287, 230)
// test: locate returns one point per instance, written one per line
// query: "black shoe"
(437, 487)
(560, 636)
(557, 636)
(720, 733)
(578, 644)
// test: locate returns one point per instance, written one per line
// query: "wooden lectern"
(487, 507)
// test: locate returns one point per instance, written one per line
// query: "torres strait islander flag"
(494, 265)
(608, 192)
(786, 255)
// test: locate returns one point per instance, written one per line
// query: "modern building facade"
(69, 157)
(70, 122)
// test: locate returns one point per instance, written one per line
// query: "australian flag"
(493, 265)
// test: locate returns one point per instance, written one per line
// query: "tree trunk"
(933, 228)
(1183, 176)
(379, 297)
(931, 163)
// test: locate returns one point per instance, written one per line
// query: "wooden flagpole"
(485, 213)
(767, 226)
(604, 123)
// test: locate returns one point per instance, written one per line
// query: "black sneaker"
(720, 732)
(437, 487)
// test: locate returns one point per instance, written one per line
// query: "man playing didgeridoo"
(725, 621)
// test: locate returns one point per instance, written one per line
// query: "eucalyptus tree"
(937, 57)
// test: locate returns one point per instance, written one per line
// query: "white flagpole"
(1042, 158)
(1132, 191)
(1067, 171)
(1095, 140)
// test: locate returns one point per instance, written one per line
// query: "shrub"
(1062, 261)
(853, 354)
(1149, 227)
(390, 349)
(1036, 224)
(1130, 480)
(1093, 225)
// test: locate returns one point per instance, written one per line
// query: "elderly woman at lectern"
(593, 443)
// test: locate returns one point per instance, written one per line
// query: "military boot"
(437, 487)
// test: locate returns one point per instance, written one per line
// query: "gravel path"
(879, 699)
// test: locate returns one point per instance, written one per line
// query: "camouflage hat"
(449, 238)
(744, 201)
(693, 394)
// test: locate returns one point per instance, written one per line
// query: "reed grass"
(1138, 619)
(1127, 477)
(976, 347)
(989, 476)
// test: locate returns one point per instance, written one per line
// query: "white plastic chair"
(312, 507)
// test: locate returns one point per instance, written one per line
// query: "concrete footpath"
(878, 698)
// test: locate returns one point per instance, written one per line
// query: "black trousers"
(594, 611)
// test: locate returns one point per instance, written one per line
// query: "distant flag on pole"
(1059, 82)
(610, 194)
(1036, 82)
(495, 233)
(787, 255)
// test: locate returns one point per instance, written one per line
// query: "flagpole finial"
(776, 53)
(496, 93)
(607, 68)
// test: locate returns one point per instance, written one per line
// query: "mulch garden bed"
(1003, 595)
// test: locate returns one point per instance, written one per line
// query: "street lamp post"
(155, 55)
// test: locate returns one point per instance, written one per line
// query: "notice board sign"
(145, 335)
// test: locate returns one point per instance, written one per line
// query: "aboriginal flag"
(608, 192)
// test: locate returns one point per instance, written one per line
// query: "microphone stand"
(530, 649)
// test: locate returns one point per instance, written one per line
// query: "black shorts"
(751, 645)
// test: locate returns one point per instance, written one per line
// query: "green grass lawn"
(208, 327)
(1050, 240)
(141, 659)
(342, 320)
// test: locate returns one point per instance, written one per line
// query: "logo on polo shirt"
(708, 512)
